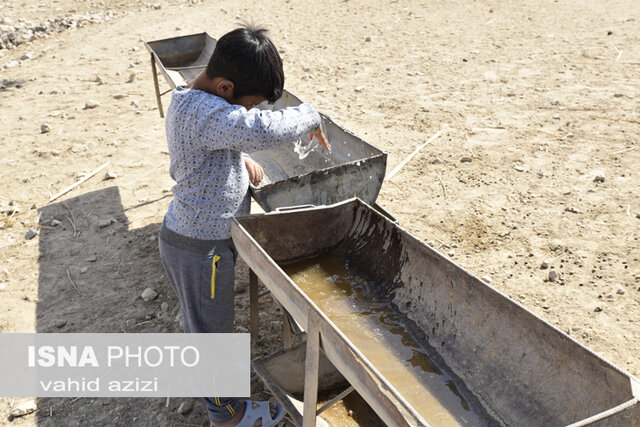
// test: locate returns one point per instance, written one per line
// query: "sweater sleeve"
(233, 127)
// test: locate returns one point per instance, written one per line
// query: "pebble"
(164, 306)
(185, 407)
(431, 243)
(490, 76)
(110, 175)
(638, 215)
(553, 276)
(556, 116)
(597, 309)
(437, 161)
(149, 295)
(60, 323)
(30, 234)
(26, 56)
(98, 80)
(54, 222)
(119, 96)
(576, 329)
(620, 290)
(359, 88)
(91, 104)
(106, 222)
(572, 210)
(466, 159)
(367, 39)
(545, 264)
(24, 408)
(487, 279)
(540, 173)
(618, 95)
(84, 270)
(45, 128)
(452, 253)
(599, 178)
(92, 258)
(519, 168)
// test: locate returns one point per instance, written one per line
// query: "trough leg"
(253, 306)
(312, 361)
(155, 83)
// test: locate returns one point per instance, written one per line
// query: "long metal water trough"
(353, 169)
(511, 366)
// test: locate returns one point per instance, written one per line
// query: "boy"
(210, 124)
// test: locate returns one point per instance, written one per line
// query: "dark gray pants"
(202, 274)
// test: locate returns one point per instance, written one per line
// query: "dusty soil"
(540, 97)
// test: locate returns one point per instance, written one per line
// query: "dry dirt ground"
(540, 96)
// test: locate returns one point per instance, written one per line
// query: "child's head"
(247, 57)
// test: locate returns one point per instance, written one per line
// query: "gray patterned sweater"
(206, 137)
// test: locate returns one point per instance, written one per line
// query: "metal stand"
(155, 84)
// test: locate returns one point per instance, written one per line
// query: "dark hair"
(248, 58)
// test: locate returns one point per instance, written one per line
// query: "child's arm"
(222, 125)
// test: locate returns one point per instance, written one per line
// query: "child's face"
(248, 101)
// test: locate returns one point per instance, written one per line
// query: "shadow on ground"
(90, 280)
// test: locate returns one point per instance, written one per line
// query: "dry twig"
(413, 154)
(80, 181)
(73, 284)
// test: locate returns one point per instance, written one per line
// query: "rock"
(24, 408)
(26, 56)
(131, 78)
(110, 175)
(553, 276)
(452, 253)
(620, 290)
(185, 407)
(60, 323)
(437, 161)
(130, 322)
(466, 159)
(149, 295)
(84, 270)
(486, 279)
(45, 128)
(545, 264)
(597, 309)
(30, 234)
(490, 76)
(599, 178)
(106, 222)
(572, 210)
(556, 116)
(520, 168)
(92, 258)
(618, 95)
(359, 88)
(576, 329)
(367, 39)
(119, 96)
(91, 104)
(54, 222)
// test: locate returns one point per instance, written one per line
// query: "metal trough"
(353, 169)
(512, 367)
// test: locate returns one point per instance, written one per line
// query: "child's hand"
(322, 139)
(255, 171)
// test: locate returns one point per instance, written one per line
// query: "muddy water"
(380, 335)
